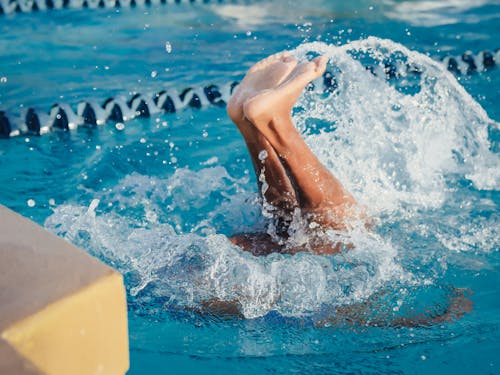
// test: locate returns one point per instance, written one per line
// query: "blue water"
(158, 198)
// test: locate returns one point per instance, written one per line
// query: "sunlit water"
(159, 199)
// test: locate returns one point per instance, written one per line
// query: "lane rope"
(28, 6)
(116, 109)
(62, 116)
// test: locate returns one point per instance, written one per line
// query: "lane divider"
(27, 6)
(117, 109)
(120, 109)
(469, 63)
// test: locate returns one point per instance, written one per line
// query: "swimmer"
(295, 180)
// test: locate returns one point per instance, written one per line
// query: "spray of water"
(399, 143)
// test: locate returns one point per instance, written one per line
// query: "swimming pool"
(156, 197)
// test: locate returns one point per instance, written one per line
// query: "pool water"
(158, 197)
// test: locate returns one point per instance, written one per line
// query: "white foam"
(190, 268)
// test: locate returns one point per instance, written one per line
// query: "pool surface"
(158, 197)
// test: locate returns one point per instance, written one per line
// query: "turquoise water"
(157, 198)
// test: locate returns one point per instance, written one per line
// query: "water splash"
(412, 148)
(161, 260)
(390, 147)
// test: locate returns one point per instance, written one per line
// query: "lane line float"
(118, 109)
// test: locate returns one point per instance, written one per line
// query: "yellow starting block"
(61, 310)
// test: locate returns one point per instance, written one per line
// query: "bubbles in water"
(31, 203)
(120, 126)
(3, 79)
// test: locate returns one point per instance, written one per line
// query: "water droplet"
(313, 225)
(262, 155)
(151, 216)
